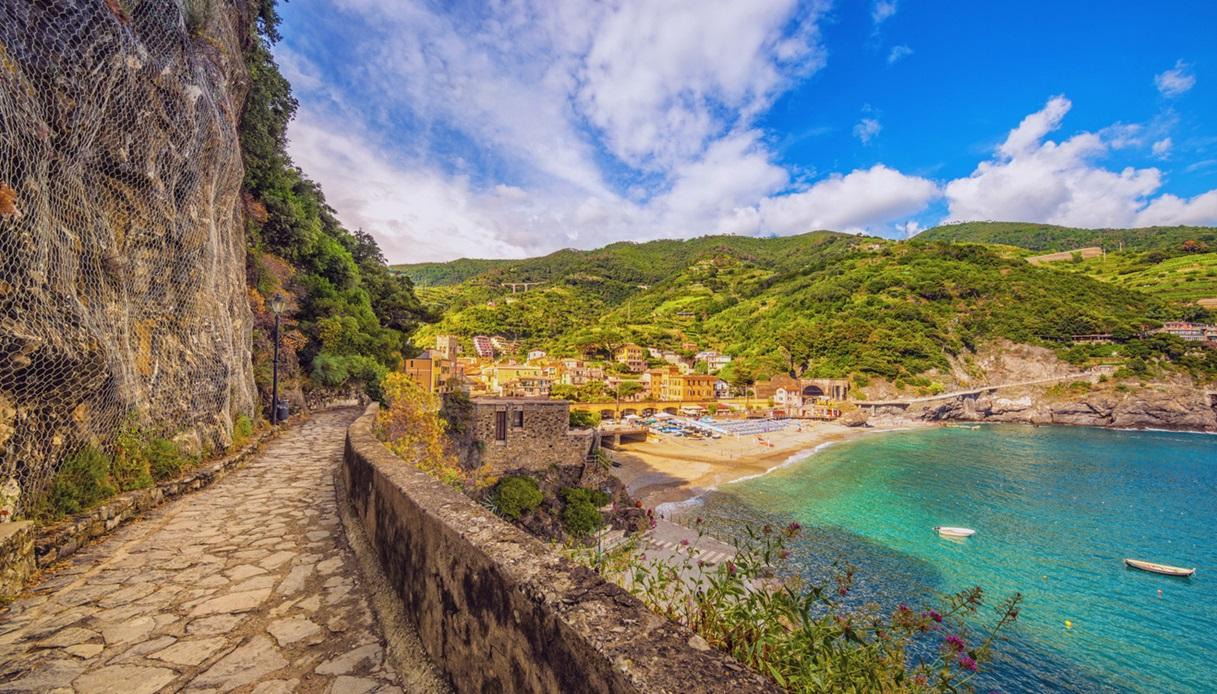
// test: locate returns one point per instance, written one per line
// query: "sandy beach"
(670, 469)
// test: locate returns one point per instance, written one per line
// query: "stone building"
(528, 433)
(809, 388)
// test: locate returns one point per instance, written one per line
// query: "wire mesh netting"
(122, 262)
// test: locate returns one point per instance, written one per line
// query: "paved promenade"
(248, 585)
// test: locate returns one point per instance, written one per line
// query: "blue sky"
(515, 128)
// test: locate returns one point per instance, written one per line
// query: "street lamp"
(276, 307)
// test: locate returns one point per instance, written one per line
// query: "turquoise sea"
(1056, 510)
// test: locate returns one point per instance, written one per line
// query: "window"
(517, 419)
(500, 426)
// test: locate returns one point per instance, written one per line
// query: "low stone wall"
(16, 557)
(499, 611)
(62, 539)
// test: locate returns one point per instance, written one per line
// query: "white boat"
(1159, 568)
(947, 531)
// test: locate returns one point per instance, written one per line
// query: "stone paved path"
(248, 585)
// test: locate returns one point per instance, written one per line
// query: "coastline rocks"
(857, 418)
(1156, 406)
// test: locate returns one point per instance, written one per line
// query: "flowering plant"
(803, 636)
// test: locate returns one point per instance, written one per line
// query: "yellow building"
(672, 385)
(436, 370)
(498, 378)
(694, 387)
(632, 356)
(424, 371)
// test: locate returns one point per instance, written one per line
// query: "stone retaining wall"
(499, 611)
(16, 557)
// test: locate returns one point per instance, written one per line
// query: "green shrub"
(581, 517)
(580, 419)
(82, 481)
(165, 459)
(517, 495)
(242, 429)
(595, 497)
(130, 468)
(808, 637)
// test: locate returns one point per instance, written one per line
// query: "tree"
(742, 378)
(624, 389)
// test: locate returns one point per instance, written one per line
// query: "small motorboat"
(947, 531)
(1159, 568)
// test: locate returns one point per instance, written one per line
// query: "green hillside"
(444, 274)
(1184, 278)
(1173, 263)
(832, 304)
(1047, 238)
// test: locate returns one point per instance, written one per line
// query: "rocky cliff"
(122, 251)
(1175, 406)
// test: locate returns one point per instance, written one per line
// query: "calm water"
(1056, 510)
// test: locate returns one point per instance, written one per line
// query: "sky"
(514, 128)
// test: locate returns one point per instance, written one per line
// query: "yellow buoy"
(1068, 624)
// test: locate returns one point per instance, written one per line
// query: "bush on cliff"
(410, 426)
(242, 429)
(515, 496)
(167, 461)
(82, 481)
(581, 516)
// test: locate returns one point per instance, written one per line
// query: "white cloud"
(1169, 210)
(1175, 81)
(882, 10)
(1035, 179)
(867, 129)
(1162, 147)
(898, 53)
(862, 200)
(517, 128)
(661, 80)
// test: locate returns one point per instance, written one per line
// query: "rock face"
(1157, 406)
(122, 250)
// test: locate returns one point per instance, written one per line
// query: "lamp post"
(276, 307)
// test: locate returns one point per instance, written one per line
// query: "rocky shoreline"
(1121, 406)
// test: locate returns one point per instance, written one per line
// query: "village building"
(448, 346)
(632, 356)
(581, 375)
(670, 384)
(714, 361)
(1194, 332)
(498, 377)
(535, 354)
(483, 346)
(528, 433)
(527, 388)
(502, 345)
(813, 388)
(435, 370)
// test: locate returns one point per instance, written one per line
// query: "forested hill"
(828, 303)
(624, 262)
(1049, 238)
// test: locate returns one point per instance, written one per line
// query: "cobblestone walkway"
(248, 586)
